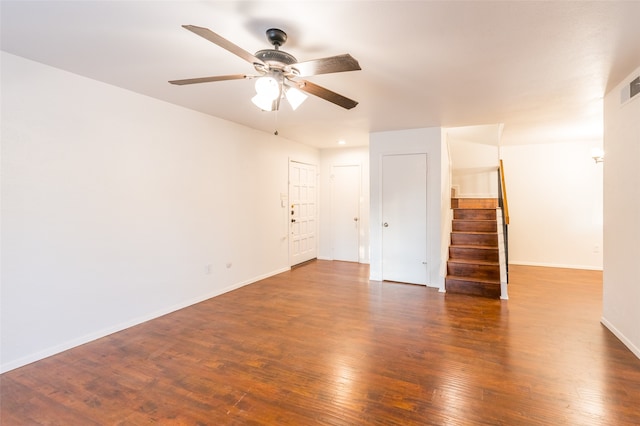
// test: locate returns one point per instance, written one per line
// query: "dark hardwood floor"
(323, 345)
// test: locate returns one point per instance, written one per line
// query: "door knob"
(355, 219)
(293, 220)
(386, 225)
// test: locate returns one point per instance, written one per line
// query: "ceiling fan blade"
(328, 65)
(326, 94)
(209, 79)
(224, 43)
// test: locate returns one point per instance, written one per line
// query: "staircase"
(473, 266)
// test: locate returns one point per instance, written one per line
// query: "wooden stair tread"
(474, 214)
(476, 288)
(467, 246)
(474, 226)
(473, 280)
(474, 208)
(475, 220)
(474, 261)
(474, 232)
(486, 203)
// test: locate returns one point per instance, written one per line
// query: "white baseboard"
(555, 265)
(362, 261)
(633, 348)
(53, 350)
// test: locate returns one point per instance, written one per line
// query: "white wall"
(343, 157)
(474, 169)
(621, 290)
(115, 204)
(427, 141)
(555, 204)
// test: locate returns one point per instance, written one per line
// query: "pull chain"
(276, 118)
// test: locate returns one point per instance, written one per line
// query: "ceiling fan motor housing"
(277, 57)
(276, 60)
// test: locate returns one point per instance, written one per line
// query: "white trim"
(554, 265)
(622, 337)
(502, 256)
(445, 244)
(53, 350)
(504, 293)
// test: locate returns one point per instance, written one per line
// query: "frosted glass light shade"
(265, 103)
(268, 87)
(295, 97)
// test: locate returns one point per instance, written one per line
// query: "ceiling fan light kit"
(270, 90)
(278, 72)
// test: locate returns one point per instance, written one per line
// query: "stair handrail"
(504, 206)
(503, 195)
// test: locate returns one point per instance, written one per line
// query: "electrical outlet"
(208, 269)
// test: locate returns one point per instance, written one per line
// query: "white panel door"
(303, 212)
(404, 218)
(345, 212)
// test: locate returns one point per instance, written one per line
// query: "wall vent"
(634, 87)
(630, 90)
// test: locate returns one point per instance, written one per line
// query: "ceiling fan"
(279, 72)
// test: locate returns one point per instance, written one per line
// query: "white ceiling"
(539, 68)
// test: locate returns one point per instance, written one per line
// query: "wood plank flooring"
(323, 345)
